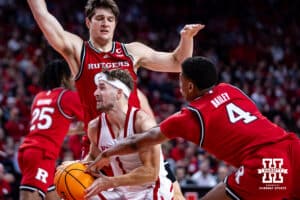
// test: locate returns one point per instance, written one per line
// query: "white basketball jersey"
(126, 163)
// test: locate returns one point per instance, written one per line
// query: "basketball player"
(137, 176)
(223, 120)
(52, 112)
(87, 58)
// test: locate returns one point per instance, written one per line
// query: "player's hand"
(100, 184)
(94, 167)
(190, 30)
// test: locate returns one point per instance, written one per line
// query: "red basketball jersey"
(94, 61)
(226, 123)
(52, 112)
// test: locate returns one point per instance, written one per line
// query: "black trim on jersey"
(113, 48)
(51, 188)
(126, 52)
(230, 192)
(201, 123)
(94, 48)
(99, 51)
(60, 108)
(82, 58)
(32, 189)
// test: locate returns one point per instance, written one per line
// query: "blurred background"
(254, 43)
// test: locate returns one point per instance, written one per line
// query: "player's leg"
(218, 192)
(52, 194)
(30, 195)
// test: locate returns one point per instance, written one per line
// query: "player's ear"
(87, 22)
(191, 86)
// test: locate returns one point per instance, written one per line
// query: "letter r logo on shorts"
(272, 170)
(41, 175)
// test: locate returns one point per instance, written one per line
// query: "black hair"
(54, 74)
(201, 71)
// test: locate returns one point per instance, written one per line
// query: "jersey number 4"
(236, 114)
(41, 118)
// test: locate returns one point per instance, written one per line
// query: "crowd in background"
(254, 44)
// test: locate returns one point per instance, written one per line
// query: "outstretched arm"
(67, 44)
(166, 61)
(130, 145)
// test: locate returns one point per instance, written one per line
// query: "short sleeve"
(183, 124)
(71, 105)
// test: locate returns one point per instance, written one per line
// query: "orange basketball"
(71, 181)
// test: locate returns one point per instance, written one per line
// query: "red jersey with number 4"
(226, 123)
(95, 61)
(52, 112)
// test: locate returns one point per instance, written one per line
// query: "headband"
(115, 83)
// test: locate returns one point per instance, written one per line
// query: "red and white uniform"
(227, 124)
(161, 189)
(94, 61)
(52, 112)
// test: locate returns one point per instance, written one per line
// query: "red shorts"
(38, 169)
(273, 172)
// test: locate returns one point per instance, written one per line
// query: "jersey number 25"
(41, 118)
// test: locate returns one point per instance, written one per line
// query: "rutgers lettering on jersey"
(108, 65)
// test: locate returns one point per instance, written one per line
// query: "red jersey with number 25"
(226, 123)
(94, 61)
(52, 112)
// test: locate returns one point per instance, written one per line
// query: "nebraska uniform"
(51, 115)
(161, 189)
(227, 124)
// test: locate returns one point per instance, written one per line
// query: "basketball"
(71, 181)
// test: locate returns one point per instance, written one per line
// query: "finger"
(90, 191)
(95, 173)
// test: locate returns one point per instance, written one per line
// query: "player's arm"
(163, 61)
(76, 128)
(130, 145)
(67, 44)
(150, 157)
(92, 135)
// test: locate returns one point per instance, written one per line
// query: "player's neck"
(117, 115)
(102, 45)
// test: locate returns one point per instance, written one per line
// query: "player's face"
(102, 25)
(105, 95)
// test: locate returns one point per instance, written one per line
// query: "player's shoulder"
(94, 123)
(135, 46)
(69, 94)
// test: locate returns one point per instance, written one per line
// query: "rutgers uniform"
(227, 124)
(161, 189)
(52, 112)
(94, 61)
